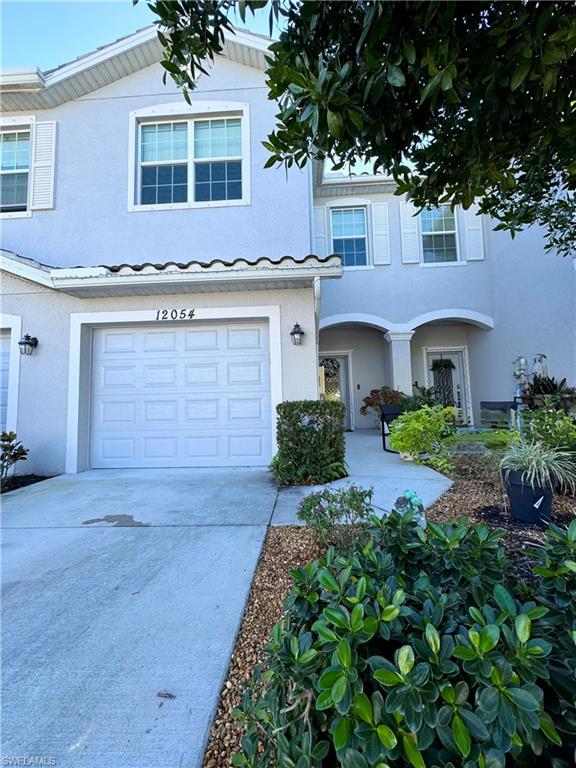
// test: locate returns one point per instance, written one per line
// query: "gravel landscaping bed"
(476, 493)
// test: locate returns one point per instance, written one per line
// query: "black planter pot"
(527, 504)
(387, 415)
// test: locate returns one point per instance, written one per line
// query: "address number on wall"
(175, 314)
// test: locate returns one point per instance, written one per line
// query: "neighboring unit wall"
(401, 291)
(90, 222)
(42, 417)
(528, 295)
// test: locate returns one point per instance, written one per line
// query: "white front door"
(181, 396)
(447, 375)
(4, 376)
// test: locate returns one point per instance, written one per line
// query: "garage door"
(181, 396)
(4, 372)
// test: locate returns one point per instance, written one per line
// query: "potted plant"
(531, 471)
(384, 402)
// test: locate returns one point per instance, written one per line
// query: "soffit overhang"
(32, 89)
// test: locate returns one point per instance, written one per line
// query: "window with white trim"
(14, 170)
(349, 239)
(439, 235)
(190, 161)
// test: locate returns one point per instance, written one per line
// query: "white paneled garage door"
(4, 374)
(181, 396)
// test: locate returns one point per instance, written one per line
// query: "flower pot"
(527, 504)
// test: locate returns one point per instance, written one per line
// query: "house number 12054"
(175, 314)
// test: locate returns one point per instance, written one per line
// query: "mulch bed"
(476, 493)
(21, 481)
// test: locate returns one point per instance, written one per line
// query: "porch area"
(359, 353)
(369, 467)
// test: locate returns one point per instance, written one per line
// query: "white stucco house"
(162, 270)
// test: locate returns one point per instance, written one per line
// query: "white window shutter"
(381, 233)
(474, 235)
(42, 196)
(411, 239)
(319, 232)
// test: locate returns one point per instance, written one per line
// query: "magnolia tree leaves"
(459, 101)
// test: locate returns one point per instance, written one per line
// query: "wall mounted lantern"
(297, 334)
(27, 344)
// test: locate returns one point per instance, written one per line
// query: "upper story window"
(191, 161)
(14, 170)
(353, 171)
(349, 240)
(439, 235)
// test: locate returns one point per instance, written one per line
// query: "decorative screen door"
(447, 375)
(336, 381)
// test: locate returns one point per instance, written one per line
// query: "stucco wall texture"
(90, 223)
(43, 390)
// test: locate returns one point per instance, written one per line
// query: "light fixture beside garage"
(27, 344)
(297, 334)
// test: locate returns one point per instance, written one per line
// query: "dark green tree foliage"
(415, 648)
(460, 101)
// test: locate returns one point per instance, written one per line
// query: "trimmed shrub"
(311, 446)
(414, 648)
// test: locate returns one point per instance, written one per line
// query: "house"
(163, 272)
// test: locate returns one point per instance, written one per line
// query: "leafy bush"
(326, 512)
(11, 452)
(412, 649)
(311, 446)
(441, 464)
(547, 385)
(421, 431)
(552, 427)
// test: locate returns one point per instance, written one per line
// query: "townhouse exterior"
(164, 271)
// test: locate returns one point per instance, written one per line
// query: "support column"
(400, 359)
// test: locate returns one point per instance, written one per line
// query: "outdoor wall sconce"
(27, 344)
(297, 334)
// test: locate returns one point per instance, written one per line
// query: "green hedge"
(311, 447)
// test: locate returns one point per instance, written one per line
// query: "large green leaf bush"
(414, 647)
(311, 446)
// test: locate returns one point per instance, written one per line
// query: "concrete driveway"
(123, 593)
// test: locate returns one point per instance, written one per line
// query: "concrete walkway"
(123, 594)
(370, 467)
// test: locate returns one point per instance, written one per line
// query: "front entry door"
(446, 375)
(335, 381)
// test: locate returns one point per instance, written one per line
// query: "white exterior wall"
(43, 388)
(90, 223)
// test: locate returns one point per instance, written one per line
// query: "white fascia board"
(100, 277)
(99, 56)
(19, 79)
(26, 271)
